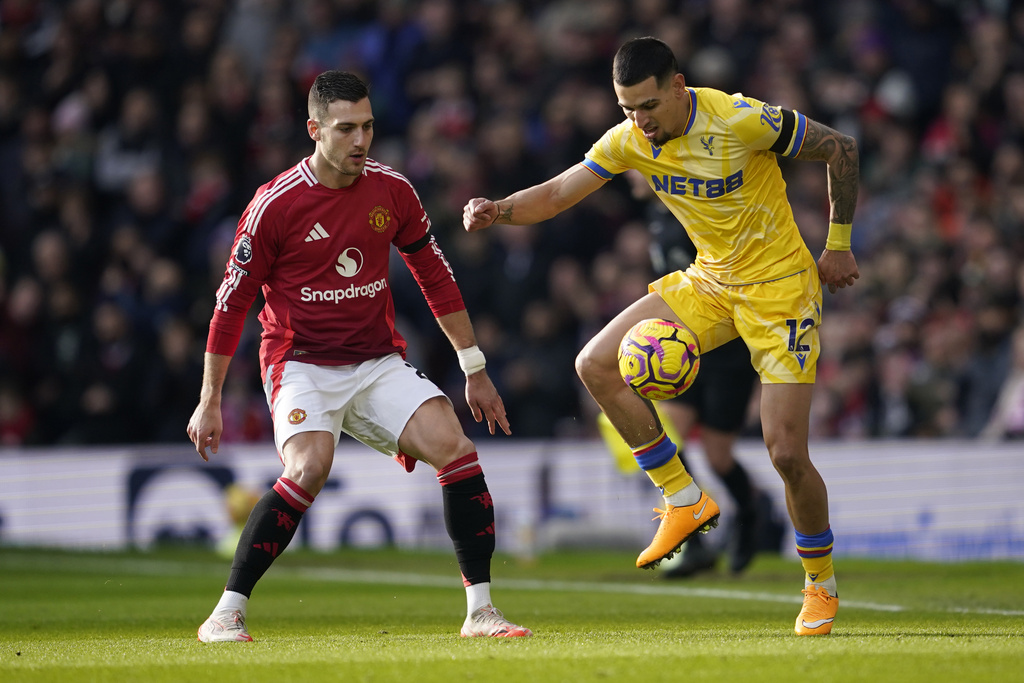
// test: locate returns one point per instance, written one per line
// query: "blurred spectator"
(147, 210)
(539, 376)
(519, 273)
(17, 417)
(108, 384)
(131, 145)
(170, 387)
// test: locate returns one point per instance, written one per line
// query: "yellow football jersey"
(722, 182)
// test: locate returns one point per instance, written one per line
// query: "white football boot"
(226, 627)
(490, 622)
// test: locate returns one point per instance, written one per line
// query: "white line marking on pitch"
(163, 568)
(401, 578)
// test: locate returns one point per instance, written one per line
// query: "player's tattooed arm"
(839, 151)
(504, 211)
(540, 202)
(837, 268)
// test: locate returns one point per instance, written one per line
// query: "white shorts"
(371, 401)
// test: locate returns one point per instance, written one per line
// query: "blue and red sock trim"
(656, 453)
(818, 545)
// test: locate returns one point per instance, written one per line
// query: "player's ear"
(313, 128)
(679, 85)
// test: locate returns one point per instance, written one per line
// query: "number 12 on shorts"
(800, 326)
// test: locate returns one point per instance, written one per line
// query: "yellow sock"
(659, 459)
(818, 569)
(816, 555)
(670, 477)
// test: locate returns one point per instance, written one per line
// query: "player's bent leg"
(687, 509)
(434, 435)
(269, 530)
(598, 367)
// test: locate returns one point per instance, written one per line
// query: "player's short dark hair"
(640, 58)
(331, 86)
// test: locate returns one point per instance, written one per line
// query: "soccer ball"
(658, 359)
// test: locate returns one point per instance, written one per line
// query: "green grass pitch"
(383, 615)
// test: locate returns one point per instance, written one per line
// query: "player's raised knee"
(587, 366)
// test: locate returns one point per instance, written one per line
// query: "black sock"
(268, 531)
(738, 484)
(469, 517)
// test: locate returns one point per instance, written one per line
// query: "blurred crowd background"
(134, 132)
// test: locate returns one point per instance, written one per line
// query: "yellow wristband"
(838, 236)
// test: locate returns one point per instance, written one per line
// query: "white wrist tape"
(471, 360)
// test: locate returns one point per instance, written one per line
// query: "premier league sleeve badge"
(243, 252)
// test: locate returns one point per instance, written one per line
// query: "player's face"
(343, 137)
(659, 113)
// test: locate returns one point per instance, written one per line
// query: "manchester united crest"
(297, 416)
(380, 219)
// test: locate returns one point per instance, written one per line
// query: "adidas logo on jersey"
(317, 233)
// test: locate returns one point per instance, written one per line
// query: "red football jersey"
(321, 257)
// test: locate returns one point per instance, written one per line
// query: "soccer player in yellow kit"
(711, 158)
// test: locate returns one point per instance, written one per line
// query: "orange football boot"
(677, 525)
(818, 612)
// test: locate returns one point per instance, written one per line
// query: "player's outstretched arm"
(481, 395)
(837, 268)
(534, 204)
(206, 424)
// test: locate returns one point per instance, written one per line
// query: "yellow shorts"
(778, 319)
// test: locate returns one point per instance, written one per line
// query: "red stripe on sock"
(463, 468)
(651, 446)
(293, 494)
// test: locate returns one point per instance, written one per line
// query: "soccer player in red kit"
(317, 240)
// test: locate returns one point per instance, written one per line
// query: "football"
(658, 359)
